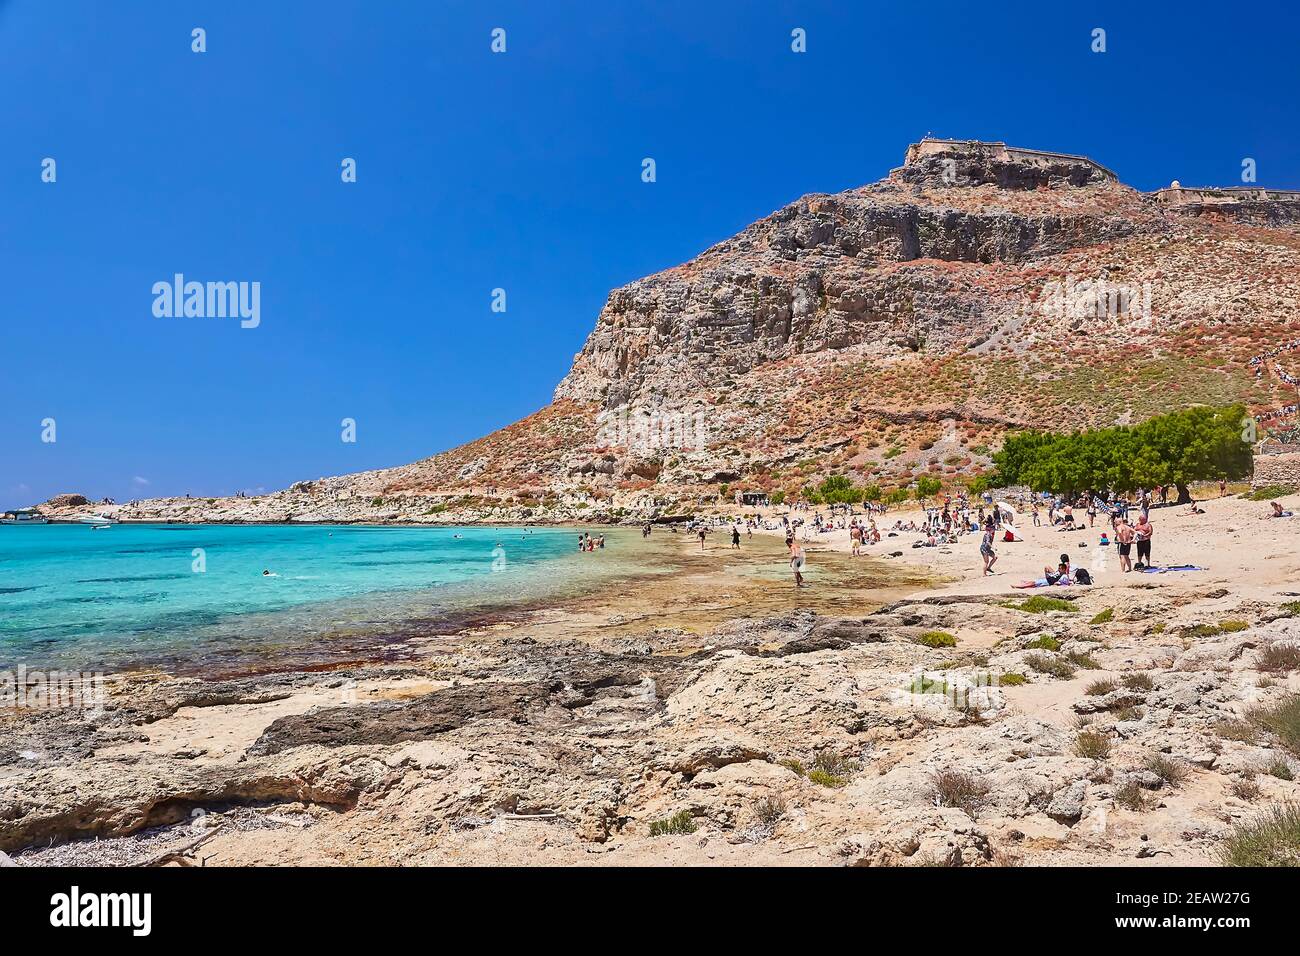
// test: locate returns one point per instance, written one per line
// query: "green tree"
(927, 487)
(1193, 444)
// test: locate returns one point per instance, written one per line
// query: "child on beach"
(986, 549)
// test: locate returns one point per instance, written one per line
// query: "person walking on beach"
(796, 560)
(1124, 535)
(735, 536)
(986, 549)
(1142, 533)
(703, 532)
(855, 536)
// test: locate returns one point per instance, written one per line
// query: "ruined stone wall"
(1217, 195)
(1001, 152)
(1277, 470)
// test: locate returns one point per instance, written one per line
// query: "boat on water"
(23, 516)
(97, 522)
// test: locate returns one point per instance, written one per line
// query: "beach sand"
(778, 722)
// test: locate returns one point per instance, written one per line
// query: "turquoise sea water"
(194, 598)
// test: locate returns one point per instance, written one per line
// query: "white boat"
(96, 521)
(22, 516)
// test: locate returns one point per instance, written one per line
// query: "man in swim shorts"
(1142, 534)
(1124, 536)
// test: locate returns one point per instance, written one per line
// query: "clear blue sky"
(478, 171)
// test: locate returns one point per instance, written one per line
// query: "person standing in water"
(796, 560)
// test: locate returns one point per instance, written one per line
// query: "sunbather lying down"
(1062, 574)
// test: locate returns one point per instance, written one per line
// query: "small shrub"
(1105, 617)
(1127, 713)
(1131, 796)
(832, 770)
(1247, 789)
(1044, 642)
(1100, 688)
(795, 765)
(1270, 839)
(1080, 659)
(1172, 772)
(955, 789)
(937, 639)
(679, 823)
(1268, 493)
(1279, 658)
(1282, 720)
(1092, 745)
(1239, 730)
(1039, 604)
(1292, 608)
(1052, 666)
(1280, 768)
(768, 811)
(824, 779)
(1139, 681)
(1199, 630)
(1232, 627)
(1012, 680)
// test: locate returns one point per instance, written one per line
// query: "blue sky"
(479, 170)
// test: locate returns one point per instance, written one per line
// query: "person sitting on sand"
(1278, 512)
(1062, 573)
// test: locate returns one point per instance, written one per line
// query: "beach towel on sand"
(1173, 567)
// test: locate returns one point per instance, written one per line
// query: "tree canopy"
(1194, 444)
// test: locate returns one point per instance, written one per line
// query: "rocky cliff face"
(824, 273)
(882, 333)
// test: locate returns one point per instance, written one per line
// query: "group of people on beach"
(949, 519)
(590, 542)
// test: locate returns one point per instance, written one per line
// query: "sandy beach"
(715, 714)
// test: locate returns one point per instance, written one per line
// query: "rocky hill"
(893, 330)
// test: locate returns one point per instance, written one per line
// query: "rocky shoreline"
(716, 717)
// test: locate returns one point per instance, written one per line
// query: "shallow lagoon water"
(193, 597)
